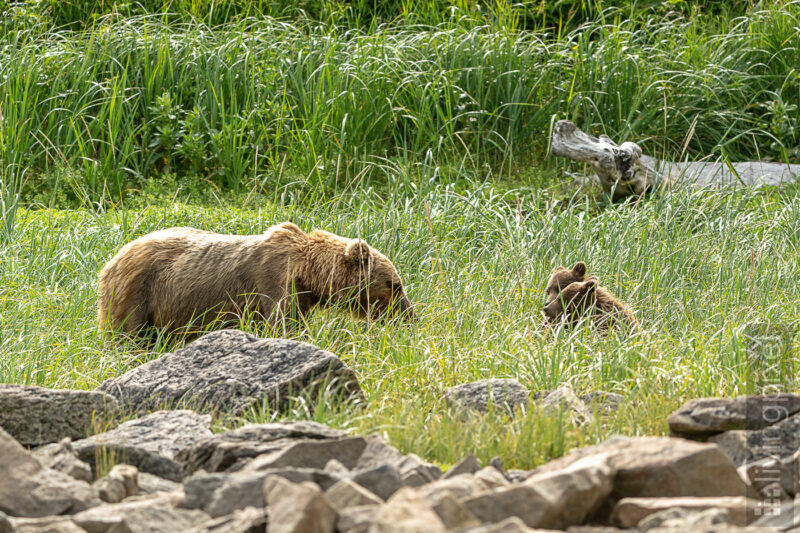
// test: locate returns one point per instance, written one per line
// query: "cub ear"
(358, 251)
(579, 268)
(590, 284)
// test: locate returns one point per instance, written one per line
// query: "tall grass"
(138, 99)
(704, 271)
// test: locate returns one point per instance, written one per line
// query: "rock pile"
(166, 471)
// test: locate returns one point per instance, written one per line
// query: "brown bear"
(570, 297)
(180, 276)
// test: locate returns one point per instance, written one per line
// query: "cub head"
(562, 277)
(572, 301)
(380, 290)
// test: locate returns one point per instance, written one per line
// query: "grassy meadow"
(425, 131)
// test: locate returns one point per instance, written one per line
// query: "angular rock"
(661, 467)
(680, 520)
(108, 516)
(603, 402)
(248, 520)
(47, 524)
(454, 515)
(30, 490)
(382, 481)
(232, 450)
(406, 512)
(156, 519)
(231, 370)
(61, 456)
(293, 508)
(556, 499)
(377, 453)
(467, 465)
(459, 487)
(703, 417)
(479, 395)
(563, 399)
(356, 519)
(346, 494)
(779, 440)
(509, 525)
(35, 416)
(415, 472)
(628, 512)
(783, 516)
(5, 524)
(492, 477)
(769, 471)
(122, 482)
(310, 454)
(150, 484)
(149, 443)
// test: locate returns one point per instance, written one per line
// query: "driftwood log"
(623, 170)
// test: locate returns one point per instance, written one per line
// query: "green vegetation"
(423, 127)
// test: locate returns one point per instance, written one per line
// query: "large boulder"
(629, 512)
(704, 417)
(743, 446)
(28, 489)
(149, 443)
(661, 467)
(231, 370)
(35, 416)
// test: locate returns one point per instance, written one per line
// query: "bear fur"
(571, 297)
(180, 276)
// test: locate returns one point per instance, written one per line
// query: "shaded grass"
(702, 269)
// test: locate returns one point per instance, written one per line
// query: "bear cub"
(571, 296)
(178, 277)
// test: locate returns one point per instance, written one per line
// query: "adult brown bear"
(178, 277)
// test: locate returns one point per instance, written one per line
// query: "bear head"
(562, 277)
(573, 301)
(379, 289)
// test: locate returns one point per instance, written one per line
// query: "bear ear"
(590, 284)
(358, 251)
(579, 268)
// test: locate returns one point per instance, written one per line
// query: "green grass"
(701, 269)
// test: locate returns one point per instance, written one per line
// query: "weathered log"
(623, 170)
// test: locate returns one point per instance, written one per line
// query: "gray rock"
(678, 519)
(383, 480)
(603, 402)
(310, 454)
(151, 484)
(509, 525)
(492, 477)
(780, 440)
(232, 450)
(46, 524)
(377, 453)
(703, 417)
(150, 443)
(5, 524)
(458, 487)
(104, 517)
(231, 370)
(346, 494)
(682, 468)
(467, 465)
(782, 516)
(479, 395)
(122, 482)
(629, 512)
(154, 519)
(564, 400)
(61, 456)
(356, 519)
(770, 470)
(30, 490)
(453, 514)
(293, 508)
(35, 416)
(412, 465)
(248, 520)
(556, 499)
(406, 512)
